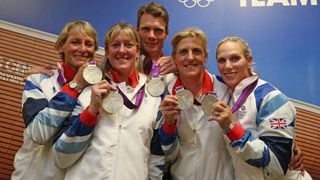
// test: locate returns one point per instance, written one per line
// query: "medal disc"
(92, 74)
(206, 103)
(185, 99)
(113, 102)
(155, 87)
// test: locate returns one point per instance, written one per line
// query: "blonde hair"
(80, 26)
(189, 33)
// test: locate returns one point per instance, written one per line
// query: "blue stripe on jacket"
(263, 161)
(260, 92)
(70, 148)
(270, 107)
(77, 127)
(281, 147)
(31, 108)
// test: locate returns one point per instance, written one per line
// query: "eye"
(145, 29)
(221, 60)
(197, 51)
(75, 42)
(129, 45)
(115, 45)
(89, 44)
(182, 52)
(235, 58)
(159, 31)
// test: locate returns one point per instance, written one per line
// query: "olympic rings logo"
(192, 3)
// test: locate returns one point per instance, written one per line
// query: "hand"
(169, 109)
(222, 114)
(166, 65)
(296, 162)
(47, 69)
(78, 78)
(98, 93)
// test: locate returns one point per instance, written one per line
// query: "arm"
(168, 135)
(157, 157)
(271, 147)
(73, 142)
(47, 69)
(44, 117)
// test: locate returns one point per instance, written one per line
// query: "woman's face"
(232, 64)
(78, 49)
(122, 52)
(190, 57)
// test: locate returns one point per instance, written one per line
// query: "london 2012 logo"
(192, 3)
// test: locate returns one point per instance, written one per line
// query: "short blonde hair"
(189, 33)
(78, 25)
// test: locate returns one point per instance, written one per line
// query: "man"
(153, 29)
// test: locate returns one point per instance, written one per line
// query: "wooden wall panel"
(20, 52)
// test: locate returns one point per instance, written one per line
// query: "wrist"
(229, 128)
(74, 86)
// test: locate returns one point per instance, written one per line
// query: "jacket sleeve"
(168, 137)
(270, 147)
(44, 117)
(71, 143)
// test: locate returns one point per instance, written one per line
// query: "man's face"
(152, 32)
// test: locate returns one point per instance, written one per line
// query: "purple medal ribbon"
(244, 95)
(155, 70)
(138, 101)
(61, 79)
(92, 62)
(126, 101)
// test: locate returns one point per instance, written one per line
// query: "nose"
(122, 48)
(190, 54)
(82, 47)
(228, 64)
(151, 34)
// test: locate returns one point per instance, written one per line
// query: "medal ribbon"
(126, 101)
(244, 95)
(138, 101)
(155, 70)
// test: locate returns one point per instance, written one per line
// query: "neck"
(193, 84)
(149, 57)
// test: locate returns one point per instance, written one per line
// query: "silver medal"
(92, 74)
(155, 87)
(113, 102)
(185, 99)
(206, 103)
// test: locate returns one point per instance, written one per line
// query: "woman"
(259, 125)
(197, 148)
(101, 144)
(48, 101)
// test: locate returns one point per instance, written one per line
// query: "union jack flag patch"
(278, 123)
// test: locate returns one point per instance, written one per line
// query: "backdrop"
(284, 35)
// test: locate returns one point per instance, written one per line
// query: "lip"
(230, 75)
(150, 44)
